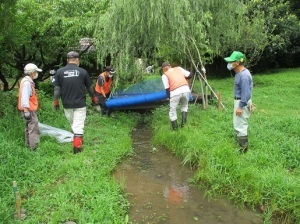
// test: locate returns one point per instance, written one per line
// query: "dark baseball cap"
(109, 69)
(166, 63)
(72, 54)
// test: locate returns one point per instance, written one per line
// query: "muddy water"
(158, 190)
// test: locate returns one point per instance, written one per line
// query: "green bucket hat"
(236, 56)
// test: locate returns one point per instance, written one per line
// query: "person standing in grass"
(243, 86)
(178, 91)
(71, 83)
(103, 88)
(28, 105)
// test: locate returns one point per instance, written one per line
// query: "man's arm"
(100, 83)
(56, 93)
(26, 92)
(91, 91)
(245, 91)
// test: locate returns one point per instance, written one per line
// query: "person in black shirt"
(70, 83)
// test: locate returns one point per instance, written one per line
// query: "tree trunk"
(5, 83)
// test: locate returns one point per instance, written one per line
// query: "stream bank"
(158, 189)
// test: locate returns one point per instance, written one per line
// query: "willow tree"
(182, 32)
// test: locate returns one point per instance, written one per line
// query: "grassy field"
(57, 186)
(268, 176)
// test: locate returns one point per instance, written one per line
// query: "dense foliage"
(118, 32)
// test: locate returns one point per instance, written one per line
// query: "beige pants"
(76, 117)
(240, 123)
(32, 132)
(183, 100)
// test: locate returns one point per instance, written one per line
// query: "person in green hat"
(243, 86)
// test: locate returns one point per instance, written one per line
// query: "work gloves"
(56, 104)
(94, 100)
(27, 116)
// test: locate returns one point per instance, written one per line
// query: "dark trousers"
(102, 103)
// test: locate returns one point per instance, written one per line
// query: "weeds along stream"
(158, 189)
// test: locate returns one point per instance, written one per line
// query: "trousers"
(76, 117)
(240, 123)
(183, 100)
(32, 132)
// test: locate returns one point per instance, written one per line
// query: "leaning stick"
(197, 71)
(201, 85)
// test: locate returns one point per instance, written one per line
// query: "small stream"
(157, 187)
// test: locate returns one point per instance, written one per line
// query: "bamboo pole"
(17, 199)
(219, 101)
(202, 93)
(197, 70)
(201, 84)
(18, 205)
(20, 213)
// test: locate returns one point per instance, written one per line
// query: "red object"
(94, 100)
(77, 142)
(175, 196)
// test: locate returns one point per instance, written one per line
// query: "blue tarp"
(135, 99)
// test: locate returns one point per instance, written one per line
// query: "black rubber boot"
(174, 125)
(243, 142)
(183, 118)
(76, 150)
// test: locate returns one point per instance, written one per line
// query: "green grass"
(56, 185)
(269, 174)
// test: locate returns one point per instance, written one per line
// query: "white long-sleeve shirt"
(26, 92)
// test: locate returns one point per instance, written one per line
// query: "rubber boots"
(243, 142)
(174, 125)
(183, 119)
(77, 143)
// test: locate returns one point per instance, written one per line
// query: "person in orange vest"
(178, 91)
(28, 105)
(103, 88)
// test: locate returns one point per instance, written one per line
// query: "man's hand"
(94, 100)
(239, 111)
(27, 115)
(56, 104)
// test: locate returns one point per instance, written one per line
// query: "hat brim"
(112, 72)
(39, 70)
(229, 59)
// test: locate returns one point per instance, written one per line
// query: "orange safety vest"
(33, 101)
(176, 78)
(106, 84)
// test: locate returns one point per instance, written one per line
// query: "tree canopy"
(43, 31)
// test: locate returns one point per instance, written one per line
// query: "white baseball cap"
(29, 68)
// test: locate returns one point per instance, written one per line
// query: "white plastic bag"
(62, 136)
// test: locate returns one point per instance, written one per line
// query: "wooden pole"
(18, 200)
(18, 204)
(206, 95)
(15, 187)
(219, 101)
(202, 92)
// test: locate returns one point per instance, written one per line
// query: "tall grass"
(55, 185)
(268, 176)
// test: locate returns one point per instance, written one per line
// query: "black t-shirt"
(73, 82)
